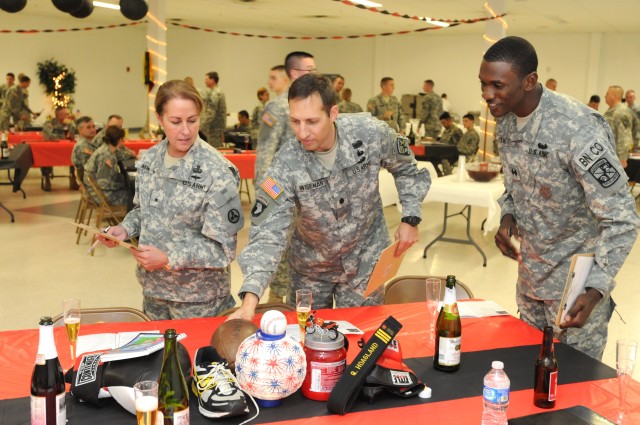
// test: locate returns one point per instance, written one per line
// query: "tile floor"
(40, 264)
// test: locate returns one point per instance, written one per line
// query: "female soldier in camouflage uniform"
(186, 215)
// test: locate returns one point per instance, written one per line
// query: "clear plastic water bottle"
(495, 395)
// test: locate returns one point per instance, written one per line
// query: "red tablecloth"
(58, 153)
(25, 136)
(245, 162)
(18, 351)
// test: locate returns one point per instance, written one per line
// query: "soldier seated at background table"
(86, 144)
(450, 136)
(346, 106)
(470, 140)
(102, 166)
(59, 128)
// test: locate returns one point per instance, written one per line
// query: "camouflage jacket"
(102, 165)
(623, 125)
(191, 211)
(274, 130)
(82, 151)
(349, 107)
(340, 228)
(377, 106)
(431, 111)
(567, 190)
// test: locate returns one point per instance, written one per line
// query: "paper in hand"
(98, 232)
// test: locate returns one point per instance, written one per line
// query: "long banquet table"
(58, 153)
(457, 397)
(468, 193)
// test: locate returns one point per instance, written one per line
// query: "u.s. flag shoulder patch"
(272, 188)
(268, 119)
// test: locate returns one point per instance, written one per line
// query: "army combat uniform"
(340, 229)
(450, 136)
(15, 103)
(82, 151)
(191, 211)
(624, 127)
(214, 116)
(430, 117)
(378, 105)
(468, 144)
(567, 191)
(274, 131)
(123, 153)
(102, 166)
(345, 107)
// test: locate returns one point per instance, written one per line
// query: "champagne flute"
(303, 309)
(433, 286)
(625, 361)
(146, 396)
(71, 311)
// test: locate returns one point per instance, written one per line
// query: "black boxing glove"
(93, 381)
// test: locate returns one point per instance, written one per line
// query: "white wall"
(583, 63)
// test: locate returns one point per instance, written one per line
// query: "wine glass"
(625, 361)
(303, 309)
(71, 312)
(433, 287)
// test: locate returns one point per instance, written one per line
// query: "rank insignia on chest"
(271, 187)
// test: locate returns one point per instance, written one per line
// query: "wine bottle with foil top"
(448, 331)
(173, 397)
(48, 404)
(546, 378)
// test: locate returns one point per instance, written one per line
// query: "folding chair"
(408, 289)
(261, 308)
(106, 315)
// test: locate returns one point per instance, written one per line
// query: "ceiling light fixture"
(436, 23)
(106, 5)
(367, 3)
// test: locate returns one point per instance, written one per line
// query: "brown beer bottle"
(546, 379)
(448, 331)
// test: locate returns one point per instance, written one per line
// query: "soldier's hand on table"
(115, 231)
(407, 235)
(578, 314)
(247, 309)
(508, 228)
(150, 257)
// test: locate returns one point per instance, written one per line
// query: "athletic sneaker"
(215, 386)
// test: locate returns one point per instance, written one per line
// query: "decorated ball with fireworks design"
(270, 367)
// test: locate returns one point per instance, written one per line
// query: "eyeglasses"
(306, 70)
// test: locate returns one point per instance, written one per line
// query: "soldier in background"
(431, 110)
(450, 136)
(86, 144)
(275, 131)
(123, 153)
(387, 107)
(102, 166)
(4, 89)
(214, 114)
(566, 193)
(623, 123)
(470, 140)
(16, 103)
(346, 106)
(630, 97)
(338, 84)
(328, 175)
(60, 127)
(594, 102)
(256, 115)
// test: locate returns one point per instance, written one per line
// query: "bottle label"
(496, 395)
(449, 351)
(39, 410)
(324, 376)
(181, 417)
(553, 385)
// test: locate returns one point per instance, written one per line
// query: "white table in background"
(468, 193)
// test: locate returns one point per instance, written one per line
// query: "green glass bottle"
(448, 331)
(173, 397)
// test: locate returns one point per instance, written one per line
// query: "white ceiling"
(320, 18)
